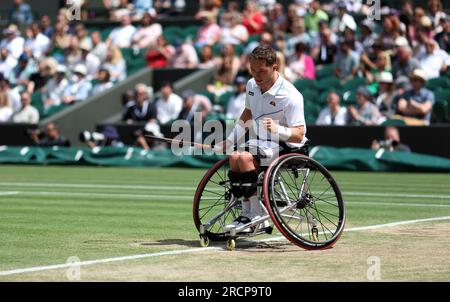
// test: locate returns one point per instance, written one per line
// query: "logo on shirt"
(251, 93)
(273, 103)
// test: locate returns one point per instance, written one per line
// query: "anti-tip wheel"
(204, 241)
(231, 244)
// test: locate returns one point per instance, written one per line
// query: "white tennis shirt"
(282, 102)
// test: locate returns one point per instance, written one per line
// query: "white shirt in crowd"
(54, 90)
(102, 87)
(92, 63)
(122, 36)
(432, 63)
(7, 66)
(14, 98)
(38, 45)
(233, 35)
(27, 115)
(5, 114)
(169, 109)
(14, 47)
(326, 118)
(235, 106)
(282, 102)
(147, 36)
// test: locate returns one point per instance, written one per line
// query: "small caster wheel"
(315, 234)
(231, 244)
(204, 241)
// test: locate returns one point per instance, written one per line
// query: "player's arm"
(288, 134)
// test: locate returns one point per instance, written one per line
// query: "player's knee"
(245, 158)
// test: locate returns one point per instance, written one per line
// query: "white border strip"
(197, 250)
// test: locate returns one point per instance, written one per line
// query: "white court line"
(178, 197)
(197, 250)
(8, 193)
(192, 189)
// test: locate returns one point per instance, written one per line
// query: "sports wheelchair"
(299, 195)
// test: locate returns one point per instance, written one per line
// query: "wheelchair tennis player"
(274, 107)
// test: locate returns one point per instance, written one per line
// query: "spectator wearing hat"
(443, 38)
(366, 112)
(115, 63)
(104, 81)
(382, 64)
(122, 36)
(404, 63)
(142, 109)
(236, 103)
(21, 13)
(38, 43)
(91, 61)
(342, 20)
(334, 114)
(27, 114)
(434, 60)
(194, 106)
(53, 91)
(185, 56)
(302, 66)
(169, 104)
(12, 93)
(20, 75)
(80, 88)
(346, 62)
(7, 62)
(415, 105)
(147, 34)
(386, 94)
(13, 42)
(314, 16)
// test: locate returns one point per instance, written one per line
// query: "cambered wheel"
(304, 201)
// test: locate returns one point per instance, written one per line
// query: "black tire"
(320, 203)
(211, 197)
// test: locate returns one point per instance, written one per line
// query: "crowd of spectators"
(393, 58)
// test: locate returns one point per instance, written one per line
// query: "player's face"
(261, 72)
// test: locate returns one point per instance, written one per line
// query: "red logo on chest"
(273, 103)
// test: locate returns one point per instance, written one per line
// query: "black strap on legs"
(235, 183)
(249, 183)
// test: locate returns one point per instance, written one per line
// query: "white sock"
(256, 207)
(246, 209)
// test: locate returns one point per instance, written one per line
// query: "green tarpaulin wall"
(352, 159)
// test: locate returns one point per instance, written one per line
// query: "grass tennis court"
(48, 214)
